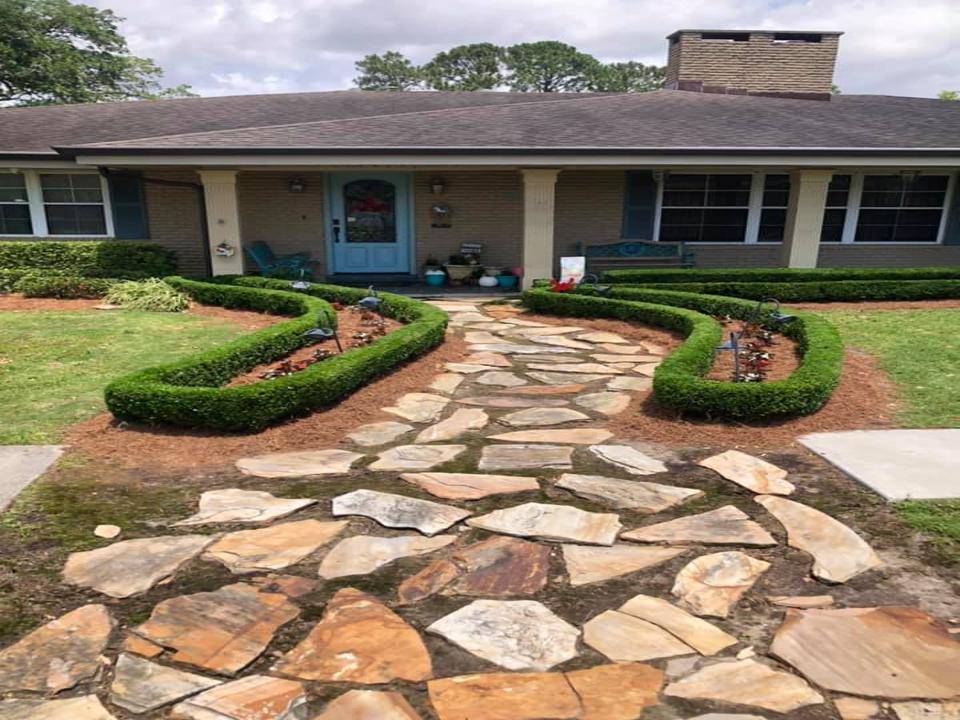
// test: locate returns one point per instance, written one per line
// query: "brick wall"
(288, 222)
(173, 215)
(487, 208)
(589, 209)
(757, 65)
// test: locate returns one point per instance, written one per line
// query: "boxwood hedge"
(90, 258)
(823, 291)
(192, 392)
(679, 381)
(776, 275)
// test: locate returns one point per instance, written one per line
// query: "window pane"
(730, 182)
(71, 188)
(837, 198)
(15, 220)
(12, 188)
(85, 181)
(680, 198)
(833, 221)
(888, 183)
(929, 182)
(924, 199)
(839, 182)
(371, 213)
(686, 182)
(726, 198)
(881, 199)
(771, 225)
(76, 220)
(916, 233)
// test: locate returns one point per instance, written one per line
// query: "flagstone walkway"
(514, 561)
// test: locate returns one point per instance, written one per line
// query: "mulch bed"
(349, 323)
(133, 446)
(880, 305)
(782, 350)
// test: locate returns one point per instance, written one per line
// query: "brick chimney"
(753, 62)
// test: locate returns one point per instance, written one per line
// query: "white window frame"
(752, 227)
(38, 214)
(33, 227)
(851, 220)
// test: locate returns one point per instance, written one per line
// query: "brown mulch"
(349, 322)
(15, 302)
(880, 305)
(784, 358)
(134, 446)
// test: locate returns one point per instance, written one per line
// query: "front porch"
(382, 226)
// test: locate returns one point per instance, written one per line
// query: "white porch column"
(223, 219)
(538, 196)
(808, 200)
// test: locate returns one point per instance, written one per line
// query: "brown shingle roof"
(359, 121)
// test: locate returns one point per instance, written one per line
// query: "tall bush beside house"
(95, 258)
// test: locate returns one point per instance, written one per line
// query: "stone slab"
(362, 554)
(559, 341)
(514, 634)
(746, 682)
(418, 407)
(712, 584)
(625, 638)
(565, 379)
(416, 457)
(550, 390)
(630, 459)
(445, 382)
(20, 465)
(368, 705)
(605, 403)
(839, 554)
(704, 637)
(256, 697)
(726, 525)
(750, 472)
(897, 464)
(85, 707)
(627, 494)
(525, 457)
(630, 383)
(542, 416)
(358, 640)
(588, 368)
(272, 548)
(562, 523)
(517, 349)
(380, 433)
(300, 463)
(885, 652)
(222, 631)
(577, 436)
(470, 486)
(141, 686)
(589, 564)
(505, 696)
(459, 423)
(131, 567)
(506, 401)
(501, 378)
(490, 359)
(399, 511)
(59, 655)
(233, 505)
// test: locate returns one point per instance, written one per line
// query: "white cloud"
(247, 46)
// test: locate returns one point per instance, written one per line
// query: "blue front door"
(370, 222)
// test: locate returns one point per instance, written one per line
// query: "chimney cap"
(766, 31)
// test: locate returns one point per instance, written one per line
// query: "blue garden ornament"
(323, 332)
(371, 301)
(591, 281)
(773, 315)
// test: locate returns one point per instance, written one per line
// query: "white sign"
(573, 268)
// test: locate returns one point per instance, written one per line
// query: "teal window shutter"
(951, 234)
(129, 205)
(639, 205)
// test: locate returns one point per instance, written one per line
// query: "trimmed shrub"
(823, 291)
(152, 295)
(44, 285)
(190, 393)
(679, 381)
(90, 258)
(774, 275)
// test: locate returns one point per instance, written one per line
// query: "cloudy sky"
(225, 47)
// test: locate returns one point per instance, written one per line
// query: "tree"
(626, 77)
(52, 51)
(466, 67)
(949, 95)
(390, 71)
(548, 66)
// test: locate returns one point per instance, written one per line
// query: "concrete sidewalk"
(20, 465)
(898, 464)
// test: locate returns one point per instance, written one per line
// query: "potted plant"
(458, 269)
(506, 279)
(432, 272)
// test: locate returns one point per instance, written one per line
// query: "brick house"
(746, 158)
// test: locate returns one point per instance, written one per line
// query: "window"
(725, 37)
(705, 208)
(73, 204)
(897, 208)
(14, 205)
(797, 37)
(773, 215)
(835, 213)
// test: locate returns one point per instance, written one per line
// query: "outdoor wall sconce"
(297, 185)
(438, 186)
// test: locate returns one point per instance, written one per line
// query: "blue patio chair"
(261, 255)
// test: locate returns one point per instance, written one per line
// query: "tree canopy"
(52, 51)
(544, 66)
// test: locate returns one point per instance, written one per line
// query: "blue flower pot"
(435, 279)
(507, 281)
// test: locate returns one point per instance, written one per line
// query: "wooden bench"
(635, 254)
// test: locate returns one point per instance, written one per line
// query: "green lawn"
(54, 365)
(921, 352)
